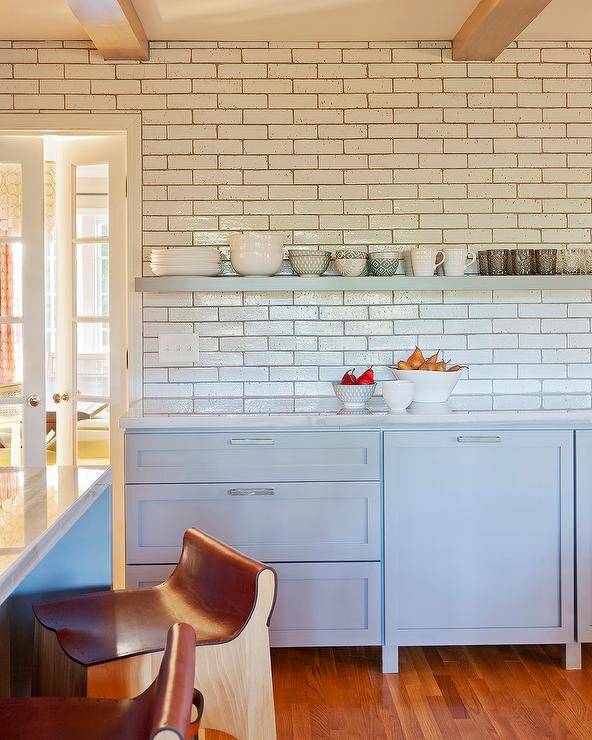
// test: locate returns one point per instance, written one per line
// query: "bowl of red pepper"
(354, 391)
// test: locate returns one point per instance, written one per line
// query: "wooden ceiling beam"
(114, 28)
(492, 26)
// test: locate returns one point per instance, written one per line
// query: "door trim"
(129, 124)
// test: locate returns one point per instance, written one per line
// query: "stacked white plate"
(196, 261)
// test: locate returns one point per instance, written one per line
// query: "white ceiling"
(292, 20)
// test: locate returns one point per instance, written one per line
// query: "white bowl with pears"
(433, 379)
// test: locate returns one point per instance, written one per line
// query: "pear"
(416, 359)
(402, 365)
(441, 366)
(455, 368)
(427, 365)
(433, 358)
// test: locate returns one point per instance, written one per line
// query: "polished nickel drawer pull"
(254, 441)
(479, 440)
(251, 491)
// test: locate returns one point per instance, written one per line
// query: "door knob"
(33, 401)
(57, 397)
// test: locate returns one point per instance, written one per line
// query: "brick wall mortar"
(351, 143)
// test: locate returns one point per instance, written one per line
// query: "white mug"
(424, 260)
(457, 260)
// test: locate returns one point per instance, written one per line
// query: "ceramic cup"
(497, 260)
(397, 394)
(570, 261)
(585, 256)
(483, 266)
(546, 261)
(457, 261)
(424, 260)
(522, 261)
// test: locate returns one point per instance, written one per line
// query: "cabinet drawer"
(318, 604)
(180, 457)
(268, 521)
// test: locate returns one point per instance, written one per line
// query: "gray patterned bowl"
(382, 265)
(350, 254)
(309, 263)
(353, 396)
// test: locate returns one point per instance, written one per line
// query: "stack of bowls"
(309, 262)
(196, 261)
(384, 264)
(351, 262)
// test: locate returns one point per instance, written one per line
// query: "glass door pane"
(22, 421)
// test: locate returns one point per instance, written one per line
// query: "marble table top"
(37, 507)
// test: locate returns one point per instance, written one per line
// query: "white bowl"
(252, 239)
(258, 255)
(354, 396)
(430, 386)
(161, 271)
(398, 394)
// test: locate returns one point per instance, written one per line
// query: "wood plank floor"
(522, 692)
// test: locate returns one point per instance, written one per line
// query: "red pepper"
(349, 378)
(367, 377)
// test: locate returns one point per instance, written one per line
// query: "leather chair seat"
(91, 719)
(213, 589)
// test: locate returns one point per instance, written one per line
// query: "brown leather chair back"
(172, 694)
(222, 580)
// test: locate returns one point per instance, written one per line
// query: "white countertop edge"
(576, 419)
(35, 551)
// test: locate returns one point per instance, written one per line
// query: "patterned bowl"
(350, 254)
(354, 396)
(309, 263)
(350, 267)
(382, 266)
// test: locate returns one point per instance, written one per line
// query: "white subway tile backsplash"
(358, 144)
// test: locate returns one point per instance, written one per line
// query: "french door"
(62, 299)
(90, 280)
(22, 360)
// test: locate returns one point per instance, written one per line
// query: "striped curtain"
(10, 225)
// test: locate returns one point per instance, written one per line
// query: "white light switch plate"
(178, 348)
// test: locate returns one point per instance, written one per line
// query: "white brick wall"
(334, 144)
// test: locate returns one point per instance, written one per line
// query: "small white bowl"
(398, 394)
(430, 387)
(354, 396)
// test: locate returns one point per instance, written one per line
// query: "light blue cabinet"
(479, 537)
(584, 533)
(308, 503)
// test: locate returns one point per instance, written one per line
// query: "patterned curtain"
(10, 225)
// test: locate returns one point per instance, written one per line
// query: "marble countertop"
(327, 412)
(37, 507)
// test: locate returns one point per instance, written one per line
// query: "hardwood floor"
(340, 694)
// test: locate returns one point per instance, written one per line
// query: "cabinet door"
(318, 604)
(584, 533)
(478, 537)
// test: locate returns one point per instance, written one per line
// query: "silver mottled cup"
(522, 262)
(570, 261)
(483, 266)
(497, 261)
(546, 261)
(585, 258)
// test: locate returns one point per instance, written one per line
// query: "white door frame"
(130, 125)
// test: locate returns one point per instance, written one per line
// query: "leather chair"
(109, 644)
(163, 711)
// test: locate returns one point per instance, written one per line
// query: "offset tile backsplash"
(349, 144)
